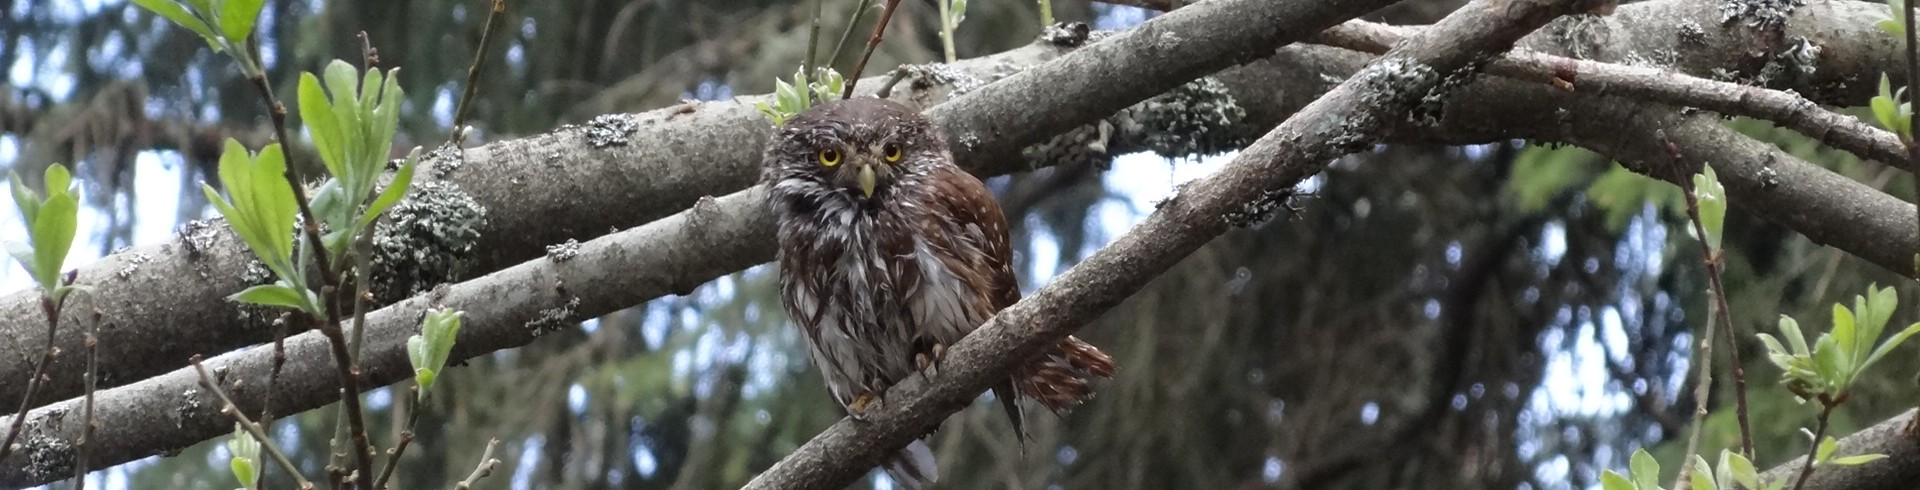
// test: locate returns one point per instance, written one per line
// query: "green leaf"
(180, 16)
(429, 350)
(23, 253)
(1702, 474)
(395, 190)
(1790, 329)
(1712, 201)
(1613, 481)
(53, 237)
(321, 126)
(1826, 363)
(1891, 343)
(1741, 468)
(959, 12)
(1857, 460)
(237, 18)
(24, 199)
(1825, 450)
(277, 294)
(1646, 471)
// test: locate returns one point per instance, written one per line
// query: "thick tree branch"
(1786, 108)
(1351, 117)
(696, 246)
(169, 298)
(1892, 437)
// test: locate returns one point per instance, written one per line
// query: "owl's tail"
(913, 468)
(1062, 379)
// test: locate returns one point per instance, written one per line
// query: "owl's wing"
(976, 224)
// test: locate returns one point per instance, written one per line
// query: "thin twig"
(258, 433)
(473, 73)
(1046, 14)
(350, 397)
(487, 462)
(1819, 432)
(859, 14)
(406, 437)
(310, 224)
(273, 379)
(1712, 259)
(946, 29)
(52, 309)
(87, 423)
(872, 42)
(813, 38)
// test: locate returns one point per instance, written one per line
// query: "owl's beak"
(867, 180)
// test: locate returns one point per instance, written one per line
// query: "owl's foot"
(858, 409)
(929, 361)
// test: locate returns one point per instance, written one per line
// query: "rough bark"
(166, 302)
(1895, 437)
(715, 239)
(1352, 117)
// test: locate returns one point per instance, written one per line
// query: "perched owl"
(889, 252)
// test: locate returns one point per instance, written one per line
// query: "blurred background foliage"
(1498, 316)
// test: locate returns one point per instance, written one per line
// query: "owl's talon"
(858, 409)
(929, 362)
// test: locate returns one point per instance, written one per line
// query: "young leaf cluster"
(793, 98)
(245, 451)
(1734, 472)
(353, 131)
(1891, 112)
(1825, 370)
(429, 349)
(1712, 199)
(261, 209)
(224, 24)
(50, 221)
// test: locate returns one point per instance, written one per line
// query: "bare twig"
(1720, 312)
(406, 437)
(879, 29)
(485, 468)
(52, 309)
(859, 14)
(88, 422)
(1819, 432)
(1786, 108)
(473, 72)
(259, 434)
(813, 39)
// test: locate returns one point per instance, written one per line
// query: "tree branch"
(548, 188)
(1351, 117)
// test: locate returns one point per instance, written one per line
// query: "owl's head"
(860, 149)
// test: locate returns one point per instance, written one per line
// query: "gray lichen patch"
(427, 239)
(1260, 209)
(553, 319)
(1760, 14)
(1196, 119)
(197, 237)
(1404, 84)
(1792, 66)
(564, 251)
(927, 76)
(1690, 32)
(610, 130)
(446, 160)
(49, 458)
(1199, 118)
(134, 262)
(1066, 34)
(1583, 35)
(257, 273)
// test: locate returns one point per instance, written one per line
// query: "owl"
(888, 253)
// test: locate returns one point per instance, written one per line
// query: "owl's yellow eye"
(829, 157)
(892, 152)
